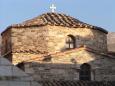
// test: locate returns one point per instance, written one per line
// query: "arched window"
(70, 42)
(85, 72)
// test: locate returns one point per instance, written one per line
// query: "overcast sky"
(96, 12)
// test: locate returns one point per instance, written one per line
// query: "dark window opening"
(70, 42)
(85, 72)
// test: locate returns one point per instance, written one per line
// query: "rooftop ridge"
(56, 19)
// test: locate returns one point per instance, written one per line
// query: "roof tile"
(58, 20)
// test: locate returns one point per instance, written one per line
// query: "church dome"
(57, 19)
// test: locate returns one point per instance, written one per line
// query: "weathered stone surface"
(6, 42)
(48, 39)
(111, 41)
(52, 38)
(61, 67)
(84, 36)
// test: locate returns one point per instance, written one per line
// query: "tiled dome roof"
(57, 19)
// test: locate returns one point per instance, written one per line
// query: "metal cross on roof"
(53, 7)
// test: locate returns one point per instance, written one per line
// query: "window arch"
(85, 72)
(70, 42)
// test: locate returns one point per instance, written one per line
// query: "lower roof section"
(77, 83)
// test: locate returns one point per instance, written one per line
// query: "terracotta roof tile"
(43, 56)
(77, 83)
(56, 19)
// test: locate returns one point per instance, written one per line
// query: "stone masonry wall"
(30, 39)
(111, 41)
(49, 39)
(52, 38)
(94, 39)
(6, 42)
(24, 57)
(42, 72)
(6, 47)
(28, 43)
(61, 67)
(102, 65)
